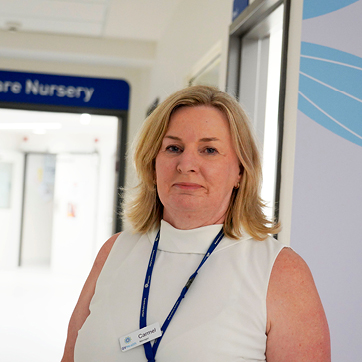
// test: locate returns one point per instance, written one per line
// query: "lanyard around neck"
(150, 351)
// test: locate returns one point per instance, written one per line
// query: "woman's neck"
(189, 221)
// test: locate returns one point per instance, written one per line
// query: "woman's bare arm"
(297, 327)
(81, 310)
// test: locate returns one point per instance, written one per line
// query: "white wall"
(326, 213)
(195, 28)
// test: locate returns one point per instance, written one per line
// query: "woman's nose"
(188, 162)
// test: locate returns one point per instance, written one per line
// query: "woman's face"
(196, 168)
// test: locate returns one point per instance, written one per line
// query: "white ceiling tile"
(54, 10)
(139, 19)
(129, 19)
(58, 26)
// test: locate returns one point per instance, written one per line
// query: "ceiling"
(120, 19)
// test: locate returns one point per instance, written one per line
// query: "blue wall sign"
(59, 90)
(238, 7)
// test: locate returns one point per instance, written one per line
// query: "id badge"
(140, 337)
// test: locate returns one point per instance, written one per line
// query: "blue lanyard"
(150, 351)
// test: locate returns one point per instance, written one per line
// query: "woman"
(198, 229)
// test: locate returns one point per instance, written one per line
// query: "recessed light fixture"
(85, 119)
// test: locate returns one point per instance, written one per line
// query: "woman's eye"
(173, 149)
(210, 150)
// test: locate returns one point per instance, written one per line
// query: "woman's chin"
(189, 203)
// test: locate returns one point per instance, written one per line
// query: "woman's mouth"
(187, 186)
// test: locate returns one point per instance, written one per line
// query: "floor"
(35, 307)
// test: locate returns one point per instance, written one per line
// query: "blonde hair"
(144, 210)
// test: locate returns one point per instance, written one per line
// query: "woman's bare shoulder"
(297, 327)
(289, 268)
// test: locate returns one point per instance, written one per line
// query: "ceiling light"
(31, 126)
(85, 119)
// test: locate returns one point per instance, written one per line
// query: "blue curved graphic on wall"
(313, 8)
(330, 90)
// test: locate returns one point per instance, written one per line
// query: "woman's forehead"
(208, 121)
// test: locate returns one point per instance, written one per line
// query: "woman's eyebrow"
(173, 138)
(209, 139)
(204, 139)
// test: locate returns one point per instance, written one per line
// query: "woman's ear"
(237, 184)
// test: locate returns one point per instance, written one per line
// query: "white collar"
(194, 241)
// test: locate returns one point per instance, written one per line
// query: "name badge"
(140, 337)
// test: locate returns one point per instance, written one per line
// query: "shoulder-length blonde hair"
(144, 210)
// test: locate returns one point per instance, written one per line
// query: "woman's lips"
(187, 186)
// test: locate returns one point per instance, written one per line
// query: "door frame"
(254, 14)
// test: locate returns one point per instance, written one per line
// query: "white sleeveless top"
(222, 317)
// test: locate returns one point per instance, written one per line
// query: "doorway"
(68, 185)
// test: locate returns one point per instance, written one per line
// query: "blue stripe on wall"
(313, 8)
(330, 90)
